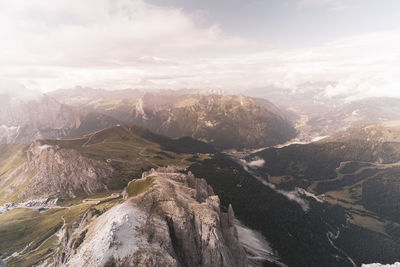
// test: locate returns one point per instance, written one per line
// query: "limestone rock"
(176, 222)
(54, 172)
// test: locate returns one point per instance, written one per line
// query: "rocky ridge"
(176, 221)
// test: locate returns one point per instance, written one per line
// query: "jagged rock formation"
(176, 221)
(50, 171)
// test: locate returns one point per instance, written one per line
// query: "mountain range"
(191, 178)
(225, 121)
(315, 113)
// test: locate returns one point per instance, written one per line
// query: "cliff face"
(54, 172)
(168, 219)
(64, 172)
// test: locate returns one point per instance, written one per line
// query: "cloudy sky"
(353, 45)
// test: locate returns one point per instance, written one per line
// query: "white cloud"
(333, 4)
(44, 41)
(11, 90)
(50, 44)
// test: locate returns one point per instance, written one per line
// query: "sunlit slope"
(381, 132)
(29, 236)
(12, 157)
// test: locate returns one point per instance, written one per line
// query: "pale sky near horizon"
(353, 46)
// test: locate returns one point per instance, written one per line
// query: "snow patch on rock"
(44, 147)
(114, 235)
(210, 124)
(176, 222)
(396, 264)
(257, 248)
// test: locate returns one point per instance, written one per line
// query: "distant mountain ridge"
(45, 117)
(316, 113)
(225, 121)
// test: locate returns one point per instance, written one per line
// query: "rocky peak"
(175, 221)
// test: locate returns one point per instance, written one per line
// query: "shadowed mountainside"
(357, 169)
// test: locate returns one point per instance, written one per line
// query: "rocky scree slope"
(54, 172)
(168, 219)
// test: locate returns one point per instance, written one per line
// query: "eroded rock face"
(60, 173)
(177, 221)
(65, 172)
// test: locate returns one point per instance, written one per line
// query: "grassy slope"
(36, 231)
(11, 157)
(131, 150)
(19, 227)
(137, 187)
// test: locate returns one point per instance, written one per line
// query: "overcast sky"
(229, 44)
